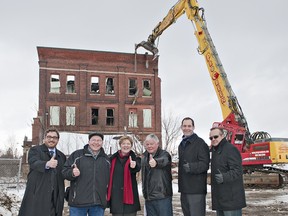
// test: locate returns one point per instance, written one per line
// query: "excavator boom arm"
(174, 13)
(231, 110)
(256, 149)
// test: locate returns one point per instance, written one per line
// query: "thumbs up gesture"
(52, 163)
(152, 162)
(75, 171)
(132, 163)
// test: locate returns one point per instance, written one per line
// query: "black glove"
(186, 167)
(219, 177)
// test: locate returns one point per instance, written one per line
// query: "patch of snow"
(10, 200)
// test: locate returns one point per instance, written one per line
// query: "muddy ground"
(260, 202)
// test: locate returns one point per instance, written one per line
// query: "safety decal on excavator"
(215, 75)
(283, 148)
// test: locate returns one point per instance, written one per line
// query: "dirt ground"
(260, 202)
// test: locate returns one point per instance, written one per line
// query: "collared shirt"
(52, 150)
(94, 155)
(184, 140)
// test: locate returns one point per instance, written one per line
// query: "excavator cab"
(234, 134)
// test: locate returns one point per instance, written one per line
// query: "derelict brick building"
(83, 91)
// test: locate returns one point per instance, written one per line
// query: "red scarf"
(127, 187)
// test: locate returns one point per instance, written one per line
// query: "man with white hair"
(156, 178)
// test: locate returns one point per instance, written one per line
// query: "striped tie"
(51, 153)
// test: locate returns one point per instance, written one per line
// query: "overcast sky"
(250, 37)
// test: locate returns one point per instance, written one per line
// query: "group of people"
(98, 181)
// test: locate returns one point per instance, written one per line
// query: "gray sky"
(250, 37)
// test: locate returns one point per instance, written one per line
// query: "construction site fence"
(10, 172)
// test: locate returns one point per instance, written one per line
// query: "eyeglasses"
(213, 137)
(96, 140)
(52, 137)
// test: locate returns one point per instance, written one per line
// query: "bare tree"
(109, 145)
(137, 145)
(11, 147)
(171, 131)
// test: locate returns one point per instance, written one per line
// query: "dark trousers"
(237, 212)
(193, 204)
(161, 207)
(52, 210)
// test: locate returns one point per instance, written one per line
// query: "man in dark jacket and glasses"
(227, 190)
(88, 171)
(44, 194)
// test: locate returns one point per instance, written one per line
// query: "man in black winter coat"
(156, 178)
(88, 171)
(194, 161)
(228, 195)
(44, 194)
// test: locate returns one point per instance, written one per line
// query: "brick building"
(83, 91)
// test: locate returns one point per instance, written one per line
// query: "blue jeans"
(161, 207)
(237, 212)
(84, 211)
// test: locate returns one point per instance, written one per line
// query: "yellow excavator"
(261, 154)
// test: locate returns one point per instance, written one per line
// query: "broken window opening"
(109, 86)
(94, 116)
(132, 87)
(70, 86)
(110, 117)
(133, 118)
(146, 88)
(54, 83)
(95, 85)
(54, 115)
(147, 118)
(70, 115)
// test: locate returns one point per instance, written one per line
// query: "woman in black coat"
(123, 194)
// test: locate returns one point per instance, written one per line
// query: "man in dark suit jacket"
(194, 161)
(44, 194)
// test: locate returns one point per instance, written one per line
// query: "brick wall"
(84, 64)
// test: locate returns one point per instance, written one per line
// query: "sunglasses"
(213, 137)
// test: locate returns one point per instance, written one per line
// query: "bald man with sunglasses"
(227, 190)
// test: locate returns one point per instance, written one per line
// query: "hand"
(152, 162)
(52, 163)
(186, 167)
(219, 177)
(132, 163)
(75, 171)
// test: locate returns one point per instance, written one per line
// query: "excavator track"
(267, 177)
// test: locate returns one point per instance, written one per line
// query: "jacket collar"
(88, 153)
(156, 153)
